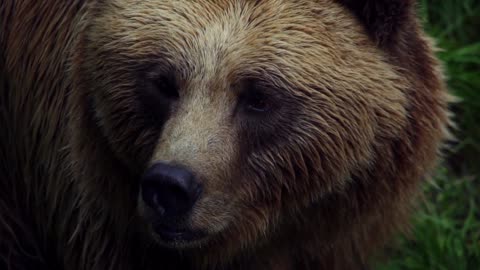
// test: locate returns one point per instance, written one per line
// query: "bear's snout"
(171, 191)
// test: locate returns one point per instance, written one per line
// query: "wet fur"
(338, 180)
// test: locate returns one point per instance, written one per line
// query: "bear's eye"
(166, 87)
(257, 102)
(157, 94)
(254, 99)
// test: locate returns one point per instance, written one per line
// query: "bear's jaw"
(178, 237)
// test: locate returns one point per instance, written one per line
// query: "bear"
(213, 134)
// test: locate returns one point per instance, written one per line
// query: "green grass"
(446, 231)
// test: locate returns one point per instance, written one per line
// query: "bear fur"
(319, 181)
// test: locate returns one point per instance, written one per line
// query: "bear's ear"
(383, 19)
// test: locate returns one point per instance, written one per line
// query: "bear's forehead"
(298, 41)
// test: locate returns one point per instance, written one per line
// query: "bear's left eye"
(257, 103)
(254, 99)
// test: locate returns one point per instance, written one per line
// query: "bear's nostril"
(166, 198)
(170, 190)
(157, 205)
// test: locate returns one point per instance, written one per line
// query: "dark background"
(446, 231)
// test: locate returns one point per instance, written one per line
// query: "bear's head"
(221, 122)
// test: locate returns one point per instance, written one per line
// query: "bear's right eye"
(157, 95)
(166, 87)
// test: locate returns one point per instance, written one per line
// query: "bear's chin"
(175, 238)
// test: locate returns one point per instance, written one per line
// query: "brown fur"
(319, 182)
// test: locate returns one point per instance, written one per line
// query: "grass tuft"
(446, 234)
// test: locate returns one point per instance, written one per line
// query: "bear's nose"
(170, 190)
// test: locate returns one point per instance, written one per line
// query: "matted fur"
(320, 182)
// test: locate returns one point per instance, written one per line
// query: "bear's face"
(252, 110)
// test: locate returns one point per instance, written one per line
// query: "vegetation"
(446, 231)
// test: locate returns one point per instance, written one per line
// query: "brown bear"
(212, 134)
